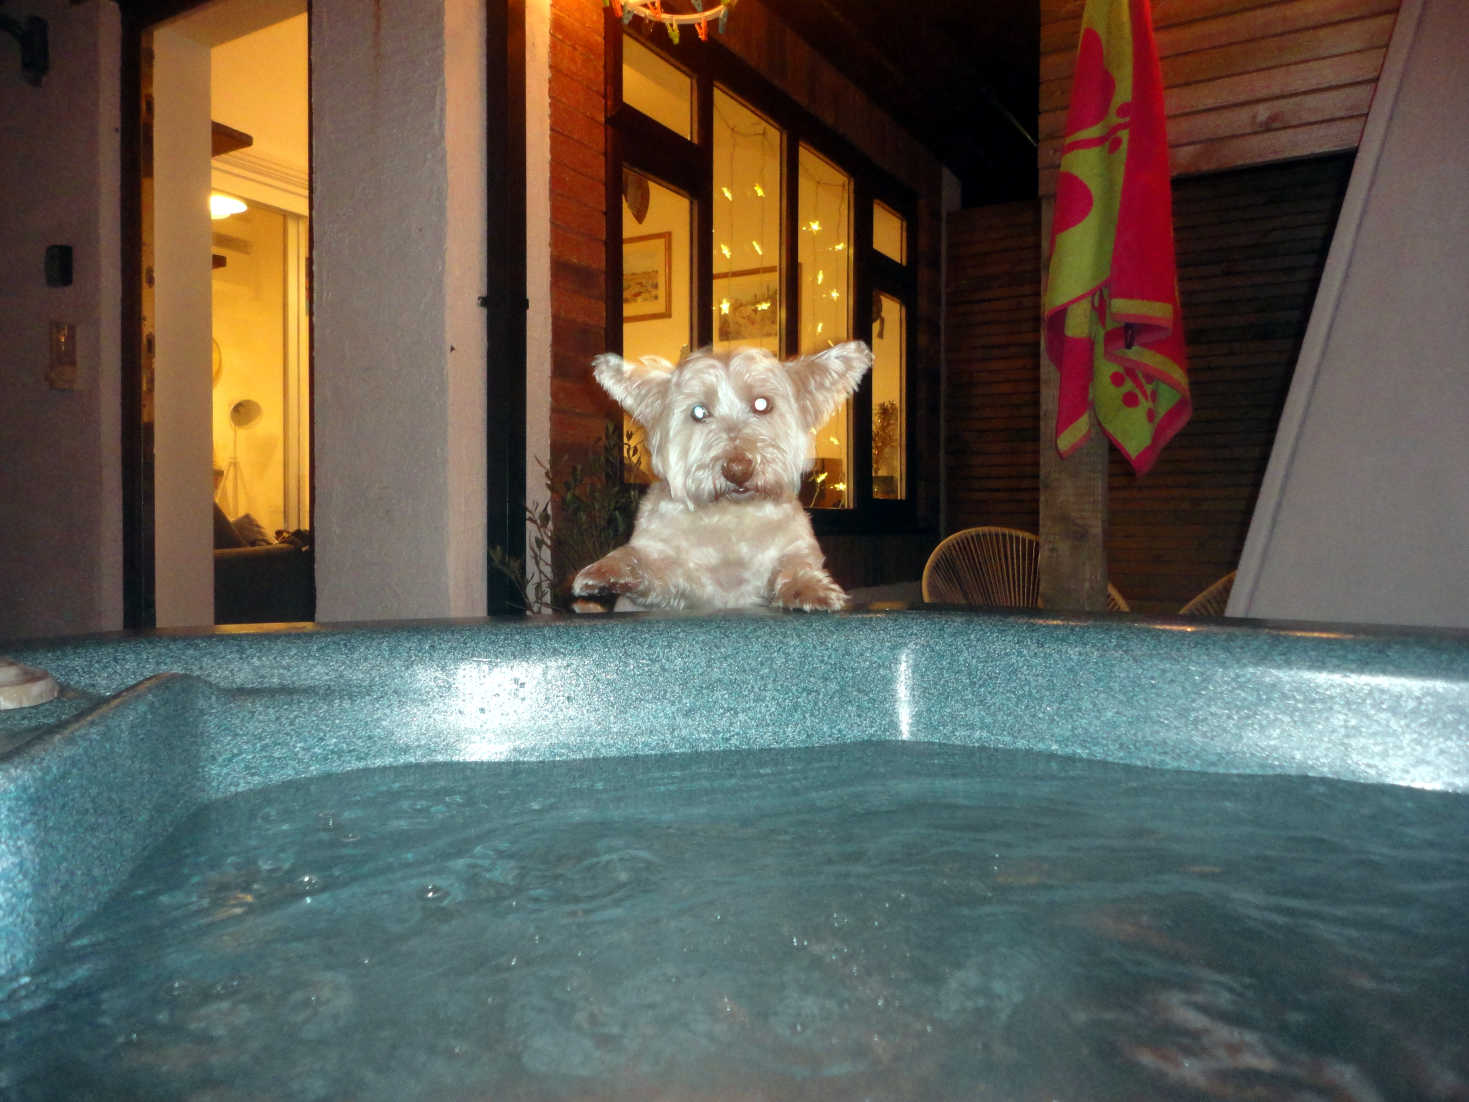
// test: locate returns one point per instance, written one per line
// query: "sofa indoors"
(259, 579)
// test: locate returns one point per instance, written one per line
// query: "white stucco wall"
(183, 538)
(60, 452)
(398, 194)
(1364, 512)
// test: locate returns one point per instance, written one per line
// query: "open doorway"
(225, 335)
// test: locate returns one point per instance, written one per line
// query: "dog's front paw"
(613, 574)
(810, 592)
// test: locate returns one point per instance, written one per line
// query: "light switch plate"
(62, 373)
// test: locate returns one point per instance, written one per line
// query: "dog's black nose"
(737, 469)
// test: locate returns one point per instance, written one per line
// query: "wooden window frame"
(637, 142)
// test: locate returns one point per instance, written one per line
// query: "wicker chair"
(991, 567)
(1212, 601)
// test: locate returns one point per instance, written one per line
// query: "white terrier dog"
(730, 437)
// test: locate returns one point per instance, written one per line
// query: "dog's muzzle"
(737, 471)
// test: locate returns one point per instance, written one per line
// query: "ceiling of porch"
(961, 75)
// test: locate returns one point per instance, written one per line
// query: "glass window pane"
(889, 233)
(889, 413)
(657, 88)
(824, 206)
(747, 150)
(657, 315)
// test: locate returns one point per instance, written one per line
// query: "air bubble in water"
(434, 893)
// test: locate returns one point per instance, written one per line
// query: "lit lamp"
(243, 414)
(222, 206)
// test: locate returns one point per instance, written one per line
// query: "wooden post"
(1073, 492)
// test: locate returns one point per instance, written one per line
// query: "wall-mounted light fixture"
(35, 54)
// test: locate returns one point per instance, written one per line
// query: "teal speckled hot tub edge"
(95, 779)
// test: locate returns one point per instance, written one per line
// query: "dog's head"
(733, 425)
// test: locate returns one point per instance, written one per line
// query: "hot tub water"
(881, 920)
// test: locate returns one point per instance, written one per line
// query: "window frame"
(637, 142)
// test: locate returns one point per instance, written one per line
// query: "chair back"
(1213, 600)
(991, 566)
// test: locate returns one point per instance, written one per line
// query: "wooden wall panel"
(1251, 245)
(1246, 82)
(991, 393)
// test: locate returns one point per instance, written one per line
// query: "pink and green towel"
(1112, 322)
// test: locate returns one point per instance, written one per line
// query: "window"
(660, 90)
(774, 232)
(748, 158)
(824, 220)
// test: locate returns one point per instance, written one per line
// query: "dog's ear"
(639, 386)
(823, 380)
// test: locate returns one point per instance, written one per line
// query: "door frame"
(504, 300)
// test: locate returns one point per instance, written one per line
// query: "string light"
(651, 11)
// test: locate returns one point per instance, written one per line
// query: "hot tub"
(882, 854)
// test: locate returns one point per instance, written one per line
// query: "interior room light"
(727, 194)
(758, 250)
(760, 191)
(725, 250)
(222, 206)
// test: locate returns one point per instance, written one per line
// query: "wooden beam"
(1073, 493)
(226, 139)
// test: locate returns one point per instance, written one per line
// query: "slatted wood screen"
(1246, 81)
(1250, 245)
(991, 394)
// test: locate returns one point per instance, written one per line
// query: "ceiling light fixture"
(222, 206)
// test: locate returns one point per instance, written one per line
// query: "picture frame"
(747, 307)
(647, 267)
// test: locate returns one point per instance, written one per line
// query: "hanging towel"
(1112, 322)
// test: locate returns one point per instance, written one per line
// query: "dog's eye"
(761, 404)
(699, 413)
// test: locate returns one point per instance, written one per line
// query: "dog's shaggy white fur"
(730, 437)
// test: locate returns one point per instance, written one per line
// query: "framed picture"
(646, 270)
(747, 307)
